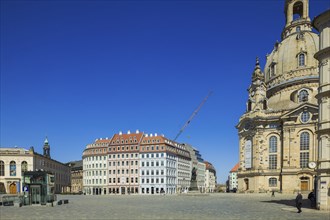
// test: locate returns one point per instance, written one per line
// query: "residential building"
(210, 177)
(165, 165)
(141, 163)
(322, 165)
(123, 161)
(197, 162)
(95, 167)
(232, 180)
(277, 133)
(184, 168)
(76, 176)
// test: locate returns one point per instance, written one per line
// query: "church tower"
(257, 90)
(297, 18)
(46, 148)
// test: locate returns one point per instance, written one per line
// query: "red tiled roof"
(235, 168)
(126, 137)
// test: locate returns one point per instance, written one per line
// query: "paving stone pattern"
(214, 206)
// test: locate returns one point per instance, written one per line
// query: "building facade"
(124, 163)
(95, 166)
(210, 177)
(322, 24)
(197, 162)
(159, 165)
(76, 167)
(232, 179)
(15, 161)
(136, 163)
(277, 133)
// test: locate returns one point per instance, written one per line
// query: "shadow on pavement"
(290, 202)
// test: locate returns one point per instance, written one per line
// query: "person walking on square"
(299, 202)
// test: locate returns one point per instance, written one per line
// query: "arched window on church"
(301, 59)
(273, 144)
(273, 152)
(304, 149)
(303, 96)
(2, 168)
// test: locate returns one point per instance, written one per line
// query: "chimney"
(137, 131)
(150, 135)
(128, 132)
(120, 132)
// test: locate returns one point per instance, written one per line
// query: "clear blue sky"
(79, 70)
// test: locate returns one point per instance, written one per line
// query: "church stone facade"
(322, 24)
(277, 133)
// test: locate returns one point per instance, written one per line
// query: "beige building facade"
(210, 177)
(76, 167)
(277, 133)
(15, 161)
(322, 24)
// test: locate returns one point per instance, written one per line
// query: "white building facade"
(95, 168)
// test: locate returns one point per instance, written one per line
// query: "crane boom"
(193, 115)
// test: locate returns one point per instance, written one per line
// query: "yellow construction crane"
(193, 115)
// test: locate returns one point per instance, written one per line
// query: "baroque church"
(277, 133)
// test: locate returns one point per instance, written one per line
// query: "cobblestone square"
(214, 206)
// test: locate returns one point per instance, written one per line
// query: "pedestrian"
(311, 197)
(299, 202)
(273, 193)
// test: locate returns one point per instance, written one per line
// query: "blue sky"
(79, 70)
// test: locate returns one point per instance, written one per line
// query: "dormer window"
(301, 59)
(272, 70)
(303, 96)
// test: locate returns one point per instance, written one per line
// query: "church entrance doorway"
(304, 183)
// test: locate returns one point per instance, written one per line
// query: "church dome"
(292, 59)
(291, 66)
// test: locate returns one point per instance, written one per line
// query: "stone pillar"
(322, 24)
